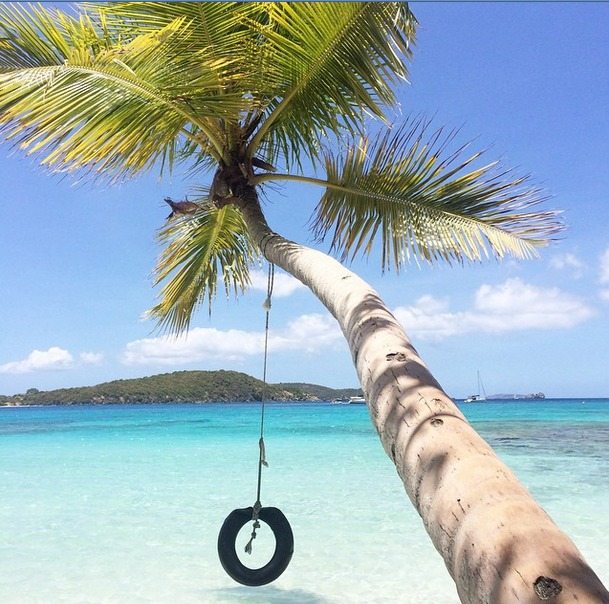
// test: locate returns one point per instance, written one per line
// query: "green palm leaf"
(198, 251)
(217, 27)
(399, 189)
(223, 31)
(92, 100)
(324, 66)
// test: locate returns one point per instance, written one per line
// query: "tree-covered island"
(179, 387)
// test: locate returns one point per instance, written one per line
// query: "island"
(181, 387)
(535, 396)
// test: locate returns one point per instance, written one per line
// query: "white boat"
(357, 400)
(481, 396)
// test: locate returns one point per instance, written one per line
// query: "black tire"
(284, 546)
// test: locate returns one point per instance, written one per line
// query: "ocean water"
(122, 504)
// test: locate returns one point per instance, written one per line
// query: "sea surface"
(123, 504)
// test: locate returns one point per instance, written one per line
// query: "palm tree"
(237, 90)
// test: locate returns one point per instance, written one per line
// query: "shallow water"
(123, 504)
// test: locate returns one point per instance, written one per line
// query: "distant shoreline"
(192, 387)
(161, 403)
(209, 387)
(311, 401)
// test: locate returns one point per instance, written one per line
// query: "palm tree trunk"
(498, 544)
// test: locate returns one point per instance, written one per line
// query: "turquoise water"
(123, 504)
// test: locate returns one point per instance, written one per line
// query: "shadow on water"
(269, 594)
(584, 439)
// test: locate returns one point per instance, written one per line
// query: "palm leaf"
(198, 250)
(94, 101)
(217, 27)
(324, 65)
(217, 30)
(399, 190)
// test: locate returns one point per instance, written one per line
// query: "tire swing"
(284, 545)
(273, 517)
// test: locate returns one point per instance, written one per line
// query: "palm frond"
(324, 65)
(217, 31)
(217, 27)
(198, 252)
(400, 190)
(74, 89)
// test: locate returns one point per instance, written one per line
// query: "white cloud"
(570, 262)
(604, 266)
(53, 359)
(91, 358)
(603, 278)
(283, 284)
(198, 344)
(511, 306)
(430, 319)
(308, 333)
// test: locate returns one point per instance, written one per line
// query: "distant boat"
(339, 401)
(481, 396)
(357, 400)
(352, 400)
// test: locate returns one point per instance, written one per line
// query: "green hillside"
(180, 387)
(323, 393)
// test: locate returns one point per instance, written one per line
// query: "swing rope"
(262, 451)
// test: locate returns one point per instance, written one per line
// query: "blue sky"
(527, 81)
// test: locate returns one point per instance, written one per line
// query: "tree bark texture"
(498, 544)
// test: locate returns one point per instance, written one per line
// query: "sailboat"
(481, 396)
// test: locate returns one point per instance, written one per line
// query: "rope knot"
(256, 511)
(263, 460)
(248, 546)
